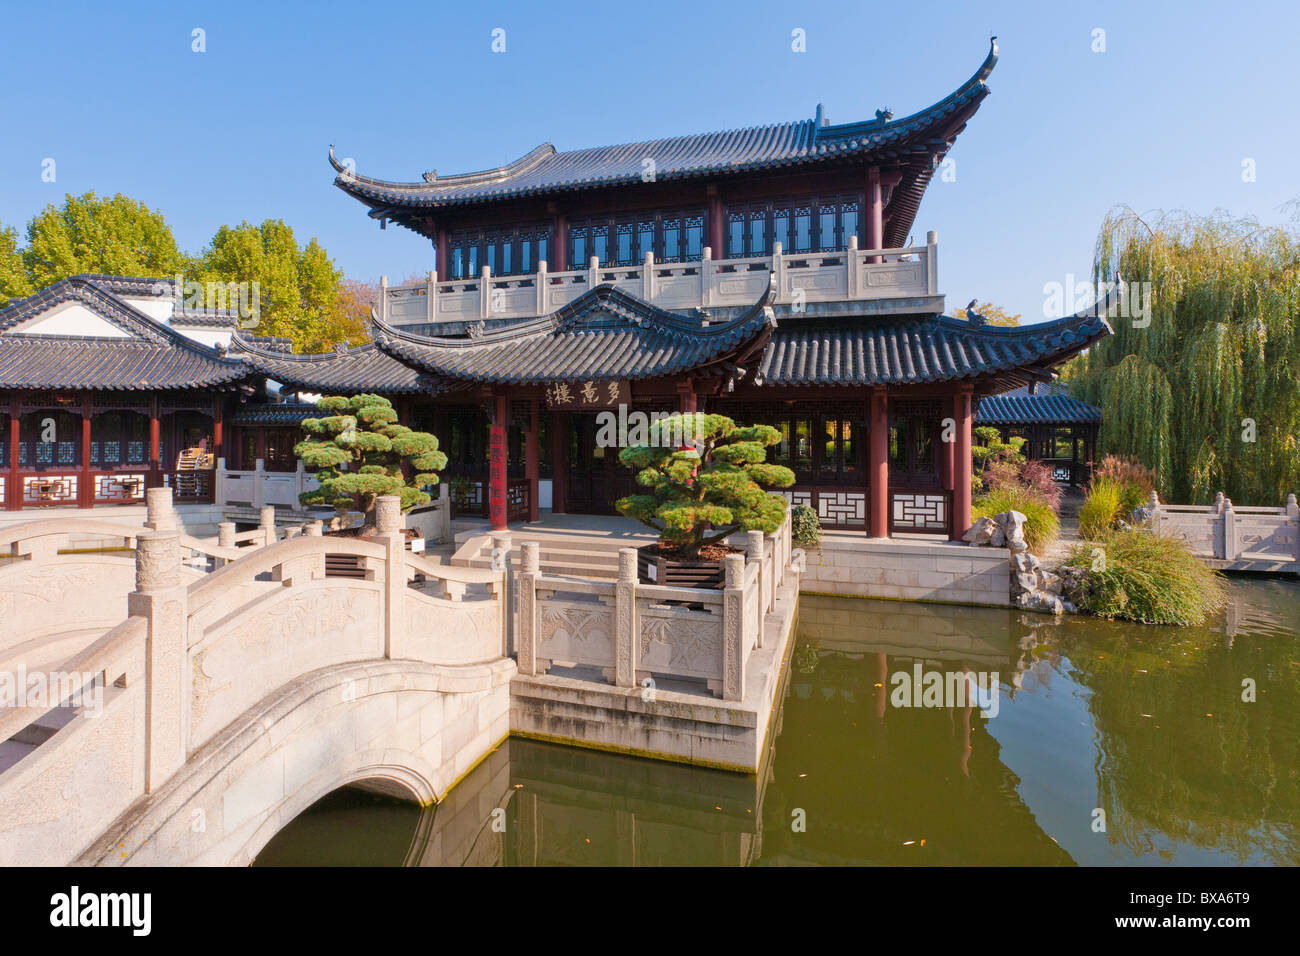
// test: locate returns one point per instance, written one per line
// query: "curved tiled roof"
(1019, 407)
(148, 355)
(604, 334)
(280, 413)
(937, 349)
(915, 141)
(361, 368)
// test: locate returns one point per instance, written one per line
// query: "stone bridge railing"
(125, 713)
(1263, 538)
(632, 631)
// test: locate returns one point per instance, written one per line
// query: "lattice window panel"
(50, 489)
(125, 487)
(919, 511)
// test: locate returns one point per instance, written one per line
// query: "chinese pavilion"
(767, 274)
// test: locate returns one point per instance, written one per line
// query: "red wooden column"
(440, 254)
(155, 466)
(532, 465)
(948, 452)
(559, 462)
(219, 426)
(717, 226)
(961, 493)
(875, 213)
(14, 488)
(85, 484)
(497, 461)
(687, 400)
(559, 245)
(878, 465)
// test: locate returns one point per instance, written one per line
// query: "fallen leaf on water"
(909, 843)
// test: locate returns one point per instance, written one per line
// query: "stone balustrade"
(632, 632)
(800, 278)
(1234, 536)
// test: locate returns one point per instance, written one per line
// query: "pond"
(1104, 744)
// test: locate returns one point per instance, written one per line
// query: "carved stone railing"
(1260, 536)
(632, 631)
(848, 275)
(194, 655)
(259, 487)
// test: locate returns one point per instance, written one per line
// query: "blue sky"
(1163, 119)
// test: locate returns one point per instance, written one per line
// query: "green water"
(1145, 724)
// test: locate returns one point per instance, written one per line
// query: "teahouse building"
(766, 274)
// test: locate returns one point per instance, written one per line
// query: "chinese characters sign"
(497, 476)
(589, 395)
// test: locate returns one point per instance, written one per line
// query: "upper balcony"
(852, 281)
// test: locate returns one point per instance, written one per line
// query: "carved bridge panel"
(576, 632)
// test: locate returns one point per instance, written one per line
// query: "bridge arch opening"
(372, 821)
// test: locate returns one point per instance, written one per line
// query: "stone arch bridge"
(198, 696)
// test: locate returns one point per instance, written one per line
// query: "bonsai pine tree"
(703, 476)
(360, 452)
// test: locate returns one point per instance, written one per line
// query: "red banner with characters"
(497, 476)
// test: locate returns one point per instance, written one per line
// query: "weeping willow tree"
(1207, 392)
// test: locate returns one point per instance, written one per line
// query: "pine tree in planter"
(703, 477)
(360, 452)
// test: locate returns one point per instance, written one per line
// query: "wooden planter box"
(653, 568)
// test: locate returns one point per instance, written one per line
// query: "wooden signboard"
(588, 395)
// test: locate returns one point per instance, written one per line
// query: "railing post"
(932, 262)
(1293, 519)
(593, 273)
(259, 491)
(388, 525)
(159, 513)
(161, 599)
(1218, 502)
(1230, 545)
(530, 569)
(225, 539)
(485, 293)
(851, 264)
(733, 628)
(1155, 512)
(706, 274)
(219, 489)
(444, 514)
(754, 555)
(540, 282)
(383, 298)
(625, 623)
(299, 484)
(267, 523)
(313, 529)
(778, 270)
(648, 277)
(431, 296)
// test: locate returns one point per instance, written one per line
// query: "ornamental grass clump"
(1041, 522)
(360, 453)
(1101, 508)
(1151, 578)
(705, 490)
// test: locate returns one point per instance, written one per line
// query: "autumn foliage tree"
(702, 490)
(359, 452)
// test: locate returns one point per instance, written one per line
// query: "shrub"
(359, 452)
(704, 491)
(1145, 577)
(1041, 523)
(1034, 476)
(805, 527)
(1104, 504)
